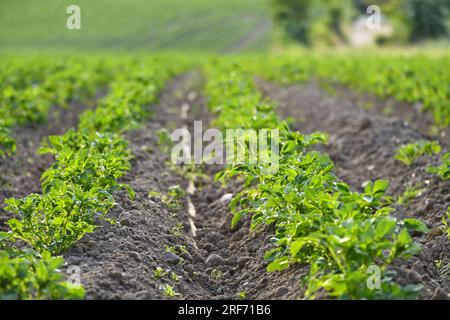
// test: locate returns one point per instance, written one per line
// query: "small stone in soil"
(365, 123)
(116, 275)
(281, 292)
(209, 247)
(232, 261)
(222, 244)
(224, 252)
(439, 294)
(413, 276)
(171, 258)
(214, 260)
(135, 255)
(213, 237)
(253, 246)
(73, 260)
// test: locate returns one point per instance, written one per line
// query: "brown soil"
(410, 113)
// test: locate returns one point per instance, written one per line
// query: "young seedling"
(175, 192)
(410, 193)
(242, 295)
(155, 194)
(171, 199)
(171, 249)
(159, 272)
(182, 249)
(190, 172)
(169, 291)
(164, 141)
(179, 249)
(443, 269)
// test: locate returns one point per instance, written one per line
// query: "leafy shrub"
(7, 143)
(446, 223)
(443, 170)
(76, 190)
(412, 151)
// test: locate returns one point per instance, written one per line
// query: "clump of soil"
(412, 114)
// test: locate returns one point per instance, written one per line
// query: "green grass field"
(181, 25)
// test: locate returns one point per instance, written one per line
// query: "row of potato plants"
(339, 233)
(421, 79)
(77, 190)
(29, 89)
(410, 152)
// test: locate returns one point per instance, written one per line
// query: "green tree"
(313, 21)
(428, 18)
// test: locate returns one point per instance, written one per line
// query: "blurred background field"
(215, 26)
(375, 79)
(194, 25)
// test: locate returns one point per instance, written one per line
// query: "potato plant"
(77, 189)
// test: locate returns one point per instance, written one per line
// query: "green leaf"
(384, 227)
(343, 187)
(236, 218)
(416, 225)
(296, 246)
(278, 265)
(404, 238)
